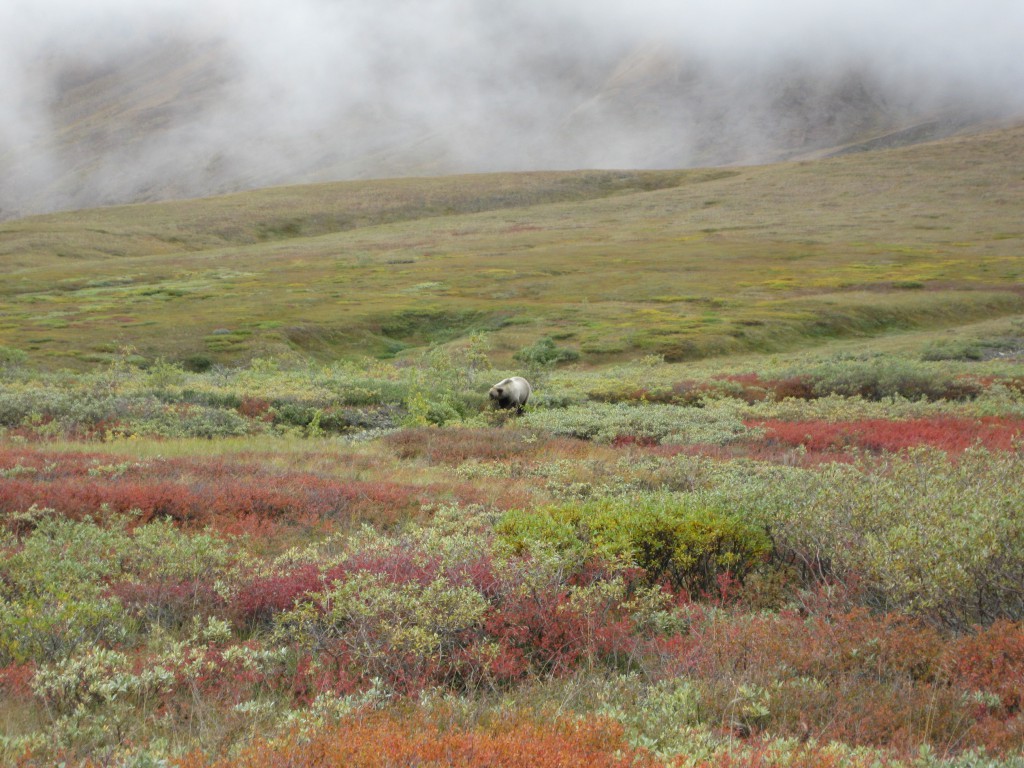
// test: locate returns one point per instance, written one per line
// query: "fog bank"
(115, 100)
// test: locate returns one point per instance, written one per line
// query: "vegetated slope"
(683, 264)
(282, 213)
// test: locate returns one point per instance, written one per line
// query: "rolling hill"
(684, 264)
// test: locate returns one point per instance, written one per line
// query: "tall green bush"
(672, 538)
(52, 599)
(939, 537)
(885, 377)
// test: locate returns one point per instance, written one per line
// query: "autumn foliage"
(384, 741)
(948, 433)
(739, 571)
(229, 495)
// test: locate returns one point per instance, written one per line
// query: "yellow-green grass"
(681, 264)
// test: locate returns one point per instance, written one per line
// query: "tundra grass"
(687, 265)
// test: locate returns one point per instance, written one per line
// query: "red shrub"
(77, 497)
(554, 636)
(16, 680)
(398, 565)
(992, 661)
(777, 453)
(195, 492)
(479, 574)
(258, 600)
(504, 495)
(687, 392)
(622, 441)
(748, 387)
(380, 501)
(542, 628)
(796, 387)
(524, 631)
(948, 433)
(267, 535)
(47, 464)
(256, 408)
(855, 677)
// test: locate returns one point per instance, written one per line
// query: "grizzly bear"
(511, 393)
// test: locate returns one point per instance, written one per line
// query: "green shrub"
(544, 353)
(423, 410)
(954, 350)
(69, 412)
(162, 374)
(11, 357)
(656, 717)
(297, 414)
(889, 377)
(190, 421)
(606, 422)
(58, 584)
(972, 350)
(52, 599)
(937, 537)
(387, 625)
(682, 541)
(197, 363)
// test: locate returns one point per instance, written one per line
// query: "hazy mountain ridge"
(168, 119)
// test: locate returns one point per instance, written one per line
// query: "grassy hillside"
(681, 264)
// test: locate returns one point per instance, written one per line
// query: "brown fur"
(511, 393)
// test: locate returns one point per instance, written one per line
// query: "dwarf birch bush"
(418, 620)
(400, 632)
(161, 551)
(883, 377)
(63, 412)
(657, 717)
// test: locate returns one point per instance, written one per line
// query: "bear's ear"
(500, 390)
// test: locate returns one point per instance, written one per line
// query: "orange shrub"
(988, 666)
(386, 740)
(763, 755)
(851, 676)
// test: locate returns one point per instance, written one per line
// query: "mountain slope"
(183, 117)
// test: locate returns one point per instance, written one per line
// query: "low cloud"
(116, 100)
